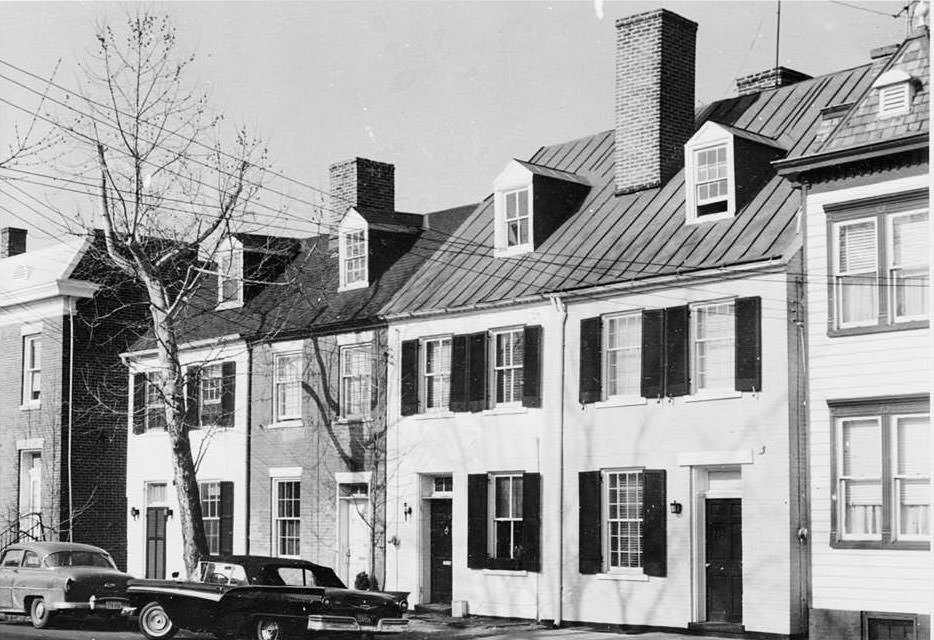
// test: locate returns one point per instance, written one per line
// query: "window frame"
(607, 566)
(362, 281)
(277, 538)
(424, 375)
(881, 208)
(836, 276)
(493, 368)
(492, 519)
(886, 409)
(367, 377)
(296, 413)
(693, 341)
(208, 501)
(890, 267)
(709, 140)
(230, 260)
(31, 367)
(151, 407)
(514, 183)
(518, 218)
(605, 322)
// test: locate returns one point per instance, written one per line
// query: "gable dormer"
(723, 167)
(229, 260)
(353, 250)
(530, 201)
(895, 90)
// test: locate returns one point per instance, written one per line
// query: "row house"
(285, 359)
(597, 406)
(64, 318)
(866, 184)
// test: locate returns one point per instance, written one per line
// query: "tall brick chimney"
(654, 97)
(12, 242)
(364, 183)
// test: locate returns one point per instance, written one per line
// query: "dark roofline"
(792, 168)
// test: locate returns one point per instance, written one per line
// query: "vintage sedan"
(267, 598)
(44, 579)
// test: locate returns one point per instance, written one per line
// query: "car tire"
(39, 613)
(154, 622)
(268, 629)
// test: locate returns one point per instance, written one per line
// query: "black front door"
(155, 542)
(441, 551)
(724, 557)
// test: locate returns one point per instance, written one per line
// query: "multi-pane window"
(354, 257)
(713, 346)
(623, 340)
(622, 502)
(517, 217)
(211, 515)
(908, 265)
(506, 532)
(287, 386)
(882, 474)
(508, 352)
(229, 276)
(855, 273)
(286, 517)
(155, 403)
(355, 381)
(32, 369)
(711, 183)
(437, 374)
(211, 391)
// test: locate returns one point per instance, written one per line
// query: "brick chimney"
(12, 242)
(364, 183)
(654, 97)
(769, 79)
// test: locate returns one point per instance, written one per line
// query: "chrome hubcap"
(268, 630)
(40, 609)
(156, 620)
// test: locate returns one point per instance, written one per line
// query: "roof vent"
(769, 79)
(22, 272)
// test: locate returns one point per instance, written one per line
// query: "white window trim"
(836, 274)
(26, 374)
(276, 481)
(842, 478)
(342, 259)
(709, 393)
(423, 375)
(288, 418)
(690, 187)
(221, 276)
(623, 573)
(365, 414)
(156, 406)
(502, 407)
(216, 518)
(491, 510)
(895, 525)
(501, 248)
(890, 268)
(618, 399)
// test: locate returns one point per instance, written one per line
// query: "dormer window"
(517, 218)
(229, 277)
(711, 181)
(354, 258)
(710, 187)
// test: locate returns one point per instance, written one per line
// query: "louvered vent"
(894, 99)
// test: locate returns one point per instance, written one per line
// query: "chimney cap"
(769, 79)
(650, 15)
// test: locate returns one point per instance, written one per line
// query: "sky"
(448, 92)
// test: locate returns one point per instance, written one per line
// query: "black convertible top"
(255, 568)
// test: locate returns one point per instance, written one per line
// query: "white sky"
(448, 92)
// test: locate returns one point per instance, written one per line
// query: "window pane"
(511, 208)
(516, 511)
(862, 448)
(862, 507)
(857, 247)
(913, 437)
(501, 484)
(714, 350)
(523, 208)
(155, 493)
(858, 298)
(503, 539)
(914, 499)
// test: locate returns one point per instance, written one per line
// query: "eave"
(793, 168)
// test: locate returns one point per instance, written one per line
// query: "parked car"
(44, 579)
(266, 598)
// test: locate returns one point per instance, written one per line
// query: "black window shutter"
(748, 316)
(590, 545)
(476, 520)
(677, 372)
(476, 398)
(459, 374)
(139, 402)
(532, 367)
(653, 358)
(591, 360)
(409, 377)
(531, 521)
(226, 522)
(193, 397)
(654, 523)
(228, 394)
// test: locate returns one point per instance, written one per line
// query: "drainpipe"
(804, 422)
(562, 311)
(71, 410)
(249, 440)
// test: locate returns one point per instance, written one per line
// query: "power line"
(868, 10)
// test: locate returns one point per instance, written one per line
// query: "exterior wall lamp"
(135, 513)
(169, 513)
(406, 511)
(675, 507)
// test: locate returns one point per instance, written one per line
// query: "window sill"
(513, 251)
(512, 573)
(353, 420)
(282, 424)
(621, 401)
(877, 328)
(713, 395)
(30, 406)
(505, 411)
(230, 304)
(435, 415)
(880, 545)
(623, 577)
(360, 284)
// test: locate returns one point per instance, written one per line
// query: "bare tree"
(170, 191)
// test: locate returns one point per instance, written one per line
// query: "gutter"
(793, 167)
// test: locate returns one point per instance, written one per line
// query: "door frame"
(167, 504)
(701, 492)
(342, 502)
(431, 505)
(427, 493)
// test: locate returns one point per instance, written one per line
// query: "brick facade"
(769, 79)
(361, 182)
(654, 97)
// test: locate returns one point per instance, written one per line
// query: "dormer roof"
(551, 172)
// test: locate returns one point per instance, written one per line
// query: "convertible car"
(267, 598)
(43, 579)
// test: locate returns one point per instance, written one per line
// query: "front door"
(440, 561)
(724, 560)
(354, 538)
(155, 542)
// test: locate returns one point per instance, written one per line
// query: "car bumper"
(347, 623)
(98, 605)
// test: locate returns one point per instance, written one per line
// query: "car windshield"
(79, 559)
(220, 573)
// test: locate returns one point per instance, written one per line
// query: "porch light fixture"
(406, 511)
(135, 513)
(675, 507)
(169, 513)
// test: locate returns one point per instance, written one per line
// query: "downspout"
(71, 411)
(249, 440)
(562, 311)
(805, 419)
